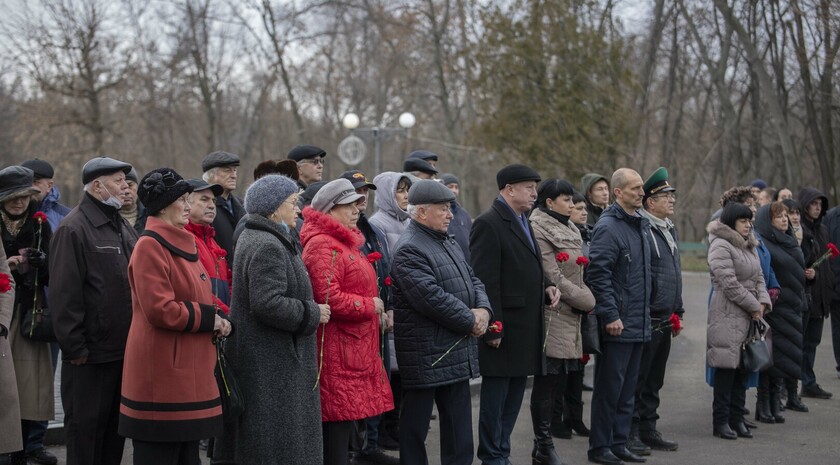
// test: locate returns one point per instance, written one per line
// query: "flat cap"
(418, 164)
(199, 185)
(449, 178)
(337, 192)
(423, 155)
(219, 159)
(16, 181)
(428, 191)
(513, 174)
(302, 152)
(358, 179)
(41, 168)
(658, 182)
(309, 193)
(132, 175)
(100, 166)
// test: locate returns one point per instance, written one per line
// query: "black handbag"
(755, 354)
(590, 334)
(233, 403)
(36, 322)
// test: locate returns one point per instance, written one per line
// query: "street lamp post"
(351, 122)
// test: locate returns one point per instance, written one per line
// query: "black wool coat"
(788, 263)
(512, 273)
(225, 223)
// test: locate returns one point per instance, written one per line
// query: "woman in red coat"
(352, 378)
(170, 399)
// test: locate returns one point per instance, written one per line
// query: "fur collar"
(316, 223)
(716, 229)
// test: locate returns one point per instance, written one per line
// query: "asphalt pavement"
(686, 411)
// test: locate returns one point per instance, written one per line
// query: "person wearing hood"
(820, 283)
(461, 223)
(596, 189)
(771, 221)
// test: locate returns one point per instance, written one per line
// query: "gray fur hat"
(267, 193)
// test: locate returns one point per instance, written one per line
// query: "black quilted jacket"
(433, 291)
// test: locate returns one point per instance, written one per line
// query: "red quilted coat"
(353, 380)
(213, 257)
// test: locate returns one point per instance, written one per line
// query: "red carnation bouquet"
(562, 257)
(832, 252)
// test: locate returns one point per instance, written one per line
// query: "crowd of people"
(339, 333)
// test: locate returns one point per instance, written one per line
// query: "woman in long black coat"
(788, 263)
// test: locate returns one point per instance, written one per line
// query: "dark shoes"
(724, 432)
(377, 456)
(561, 430)
(578, 427)
(750, 424)
(815, 391)
(42, 457)
(634, 444)
(741, 430)
(795, 403)
(388, 442)
(625, 454)
(587, 387)
(604, 456)
(656, 442)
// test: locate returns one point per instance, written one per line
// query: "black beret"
(41, 168)
(428, 191)
(302, 152)
(16, 181)
(200, 185)
(513, 174)
(418, 164)
(423, 155)
(101, 166)
(219, 159)
(160, 187)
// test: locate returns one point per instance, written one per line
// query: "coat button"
(357, 303)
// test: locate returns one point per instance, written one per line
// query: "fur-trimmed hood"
(320, 223)
(718, 230)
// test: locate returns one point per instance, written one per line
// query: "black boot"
(762, 407)
(543, 452)
(17, 458)
(634, 442)
(775, 402)
(794, 402)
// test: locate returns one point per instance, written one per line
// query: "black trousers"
(455, 408)
(90, 394)
(501, 399)
(568, 402)
(730, 395)
(614, 392)
(651, 379)
(165, 453)
(336, 441)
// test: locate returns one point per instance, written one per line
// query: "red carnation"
(496, 327)
(40, 217)
(676, 323)
(582, 261)
(833, 250)
(374, 257)
(5, 283)
(562, 257)
(388, 281)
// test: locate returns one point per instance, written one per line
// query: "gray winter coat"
(273, 349)
(738, 291)
(10, 440)
(389, 217)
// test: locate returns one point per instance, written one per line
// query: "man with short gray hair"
(222, 168)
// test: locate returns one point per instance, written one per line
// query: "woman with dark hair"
(561, 247)
(739, 295)
(795, 217)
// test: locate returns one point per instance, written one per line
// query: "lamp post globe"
(351, 121)
(407, 120)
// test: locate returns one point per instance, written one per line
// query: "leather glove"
(37, 259)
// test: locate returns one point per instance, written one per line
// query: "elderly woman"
(10, 424)
(26, 242)
(352, 378)
(274, 350)
(170, 399)
(739, 296)
(556, 234)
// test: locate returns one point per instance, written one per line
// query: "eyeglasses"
(666, 195)
(315, 161)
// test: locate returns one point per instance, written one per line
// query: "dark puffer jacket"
(666, 279)
(814, 241)
(434, 290)
(619, 273)
(786, 318)
(832, 222)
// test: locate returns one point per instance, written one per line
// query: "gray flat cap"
(338, 192)
(218, 159)
(100, 166)
(418, 164)
(449, 178)
(427, 191)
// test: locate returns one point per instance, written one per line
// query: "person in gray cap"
(133, 209)
(91, 305)
(48, 195)
(202, 202)
(429, 157)
(461, 222)
(310, 161)
(419, 168)
(506, 257)
(439, 303)
(222, 168)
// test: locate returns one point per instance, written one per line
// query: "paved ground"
(806, 438)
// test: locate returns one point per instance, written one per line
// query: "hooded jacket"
(666, 279)
(586, 183)
(389, 217)
(55, 211)
(814, 244)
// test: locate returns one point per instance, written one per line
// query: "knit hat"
(449, 178)
(267, 193)
(513, 174)
(41, 168)
(160, 187)
(759, 183)
(337, 192)
(426, 191)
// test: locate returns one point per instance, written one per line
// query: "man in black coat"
(665, 301)
(222, 168)
(619, 276)
(832, 222)
(506, 258)
(440, 307)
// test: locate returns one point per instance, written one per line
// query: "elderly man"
(310, 161)
(133, 209)
(619, 277)
(429, 157)
(202, 202)
(419, 168)
(665, 301)
(439, 304)
(506, 258)
(91, 305)
(222, 168)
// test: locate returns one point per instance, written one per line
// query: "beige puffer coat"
(738, 290)
(10, 439)
(563, 322)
